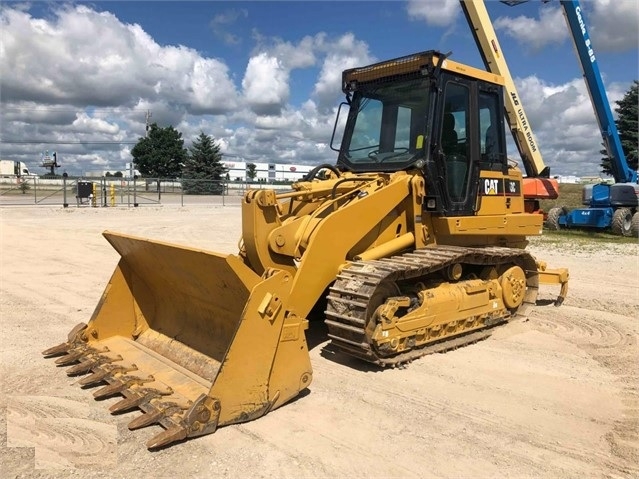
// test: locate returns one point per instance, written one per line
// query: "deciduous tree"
(161, 153)
(251, 171)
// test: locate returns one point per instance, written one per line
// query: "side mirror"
(339, 111)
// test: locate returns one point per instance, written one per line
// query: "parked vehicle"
(607, 206)
(413, 242)
(10, 168)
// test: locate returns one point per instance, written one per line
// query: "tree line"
(161, 154)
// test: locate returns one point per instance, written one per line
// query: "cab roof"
(415, 65)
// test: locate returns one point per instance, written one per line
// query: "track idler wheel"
(513, 284)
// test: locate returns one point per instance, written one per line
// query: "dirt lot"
(553, 396)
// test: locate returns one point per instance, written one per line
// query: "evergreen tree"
(161, 154)
(627, 125)
(203, 171)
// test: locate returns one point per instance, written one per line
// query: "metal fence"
(124, 192)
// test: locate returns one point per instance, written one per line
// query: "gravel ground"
(553, 396)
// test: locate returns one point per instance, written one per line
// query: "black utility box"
(85, 189)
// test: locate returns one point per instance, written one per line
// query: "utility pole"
(148, 116)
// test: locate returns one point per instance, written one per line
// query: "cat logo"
(499, 187)
(491, 186)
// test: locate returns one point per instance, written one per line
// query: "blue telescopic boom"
(583, 44)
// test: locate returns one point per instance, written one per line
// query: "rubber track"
(348, 299)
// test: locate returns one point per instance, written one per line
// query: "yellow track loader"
(413, 242)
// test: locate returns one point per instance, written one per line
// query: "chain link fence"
(125, 192)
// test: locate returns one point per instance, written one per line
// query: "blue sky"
(384, 25)
(263, 77)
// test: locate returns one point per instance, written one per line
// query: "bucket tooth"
(82, 353)
(83, 367)
(156, 413)
(94, 378)
(57, 350)
(88, 365)
(119, 385)
(109, 390)
(173, 434)
(127, 403)
(137, 398)
(73, 337)
(70, 358)
(104, 373)
(146, 419)
(200, 418)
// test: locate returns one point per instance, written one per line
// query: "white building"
(266, 171)
(570, 179)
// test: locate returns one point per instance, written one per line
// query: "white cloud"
(84, 57)
(345, 52)
(614, 24)
(440, 13)
(210, 90)
(532, 33)
(300, 55)
(265, 84)
(85, 124)
(564, 123)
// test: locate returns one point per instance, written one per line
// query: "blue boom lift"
(611, 206)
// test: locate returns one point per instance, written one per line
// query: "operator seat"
(456, 167)
(449, 135)
(490, 145)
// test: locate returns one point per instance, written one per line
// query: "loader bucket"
(194, 339)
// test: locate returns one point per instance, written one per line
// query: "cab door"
(457, 147)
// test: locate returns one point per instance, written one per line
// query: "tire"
(634, 225)
(622, 222)
(552, 220)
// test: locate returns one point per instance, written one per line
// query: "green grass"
(569, 196)
(585, 236)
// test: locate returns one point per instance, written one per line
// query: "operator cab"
(426, 112)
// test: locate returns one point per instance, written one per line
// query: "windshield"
(386, 124)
